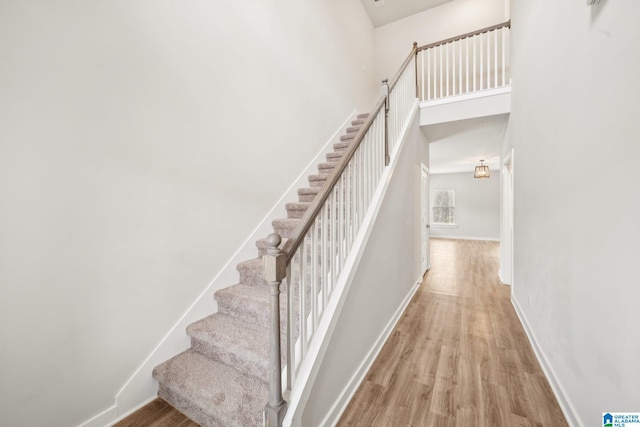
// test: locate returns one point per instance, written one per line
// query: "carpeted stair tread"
(211, 393)
(357, 122)
(353, 129)
(243, 345)
(347, 137)
(334, 156)
(326, 168)
(296, 210)
(317, 180)
(363, 116)
(307, 194)
(342, 146)
(247, 303)
(252, 272)
(285, 226)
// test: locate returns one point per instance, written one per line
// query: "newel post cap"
(274, 261)
(273, 241)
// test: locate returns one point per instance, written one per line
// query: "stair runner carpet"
(222, 380)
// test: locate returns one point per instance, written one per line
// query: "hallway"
(458, 356)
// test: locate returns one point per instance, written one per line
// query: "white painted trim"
(561, 395)
(467, 96)
(132, 410)
(338, 407)
(141, 387)
(488, 239)
(500, 276)
(311, 364)
(102, 419)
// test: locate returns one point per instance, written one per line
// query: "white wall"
(393, 41)
(383, 281)
(575, 110)
(477, 205)
(140, 143)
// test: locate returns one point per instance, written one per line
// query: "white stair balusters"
(468, 63)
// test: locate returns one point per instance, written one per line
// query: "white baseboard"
(338, 407)
(141, 388)
(500, 276)
(561, 395)
(102, 419)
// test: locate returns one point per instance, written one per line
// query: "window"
(443, 207)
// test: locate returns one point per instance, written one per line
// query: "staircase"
(222, 380)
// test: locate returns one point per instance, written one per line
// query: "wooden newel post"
(274, 272)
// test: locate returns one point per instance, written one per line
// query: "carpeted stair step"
(250, 304)
(357, 122)
(353, 129)
(341, 146)
(252, 272)
(326, 168)
(317, 180)
(335, 156)
(348, 136)
(211, 393)
(246, 302)
(307, 194)
(245, 346)
(297, 209)
(363, 116)
(285, 226)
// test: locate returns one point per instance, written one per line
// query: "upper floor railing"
(464, 64)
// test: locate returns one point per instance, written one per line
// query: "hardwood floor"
(157, 414)
(458, 356)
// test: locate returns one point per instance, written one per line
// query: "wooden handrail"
(296, 239)
(404, 65)
(464, 36)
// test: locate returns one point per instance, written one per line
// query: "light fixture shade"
(482, 171)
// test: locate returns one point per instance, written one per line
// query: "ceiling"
(383, 12)
(459, 146)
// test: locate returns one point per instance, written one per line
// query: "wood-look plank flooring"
(157, 414)
(458, 356)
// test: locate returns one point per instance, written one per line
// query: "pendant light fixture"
(482, 171)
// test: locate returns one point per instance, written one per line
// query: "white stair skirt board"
(347, 393)
(141, 388)
(309, 368)
(569, 411)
